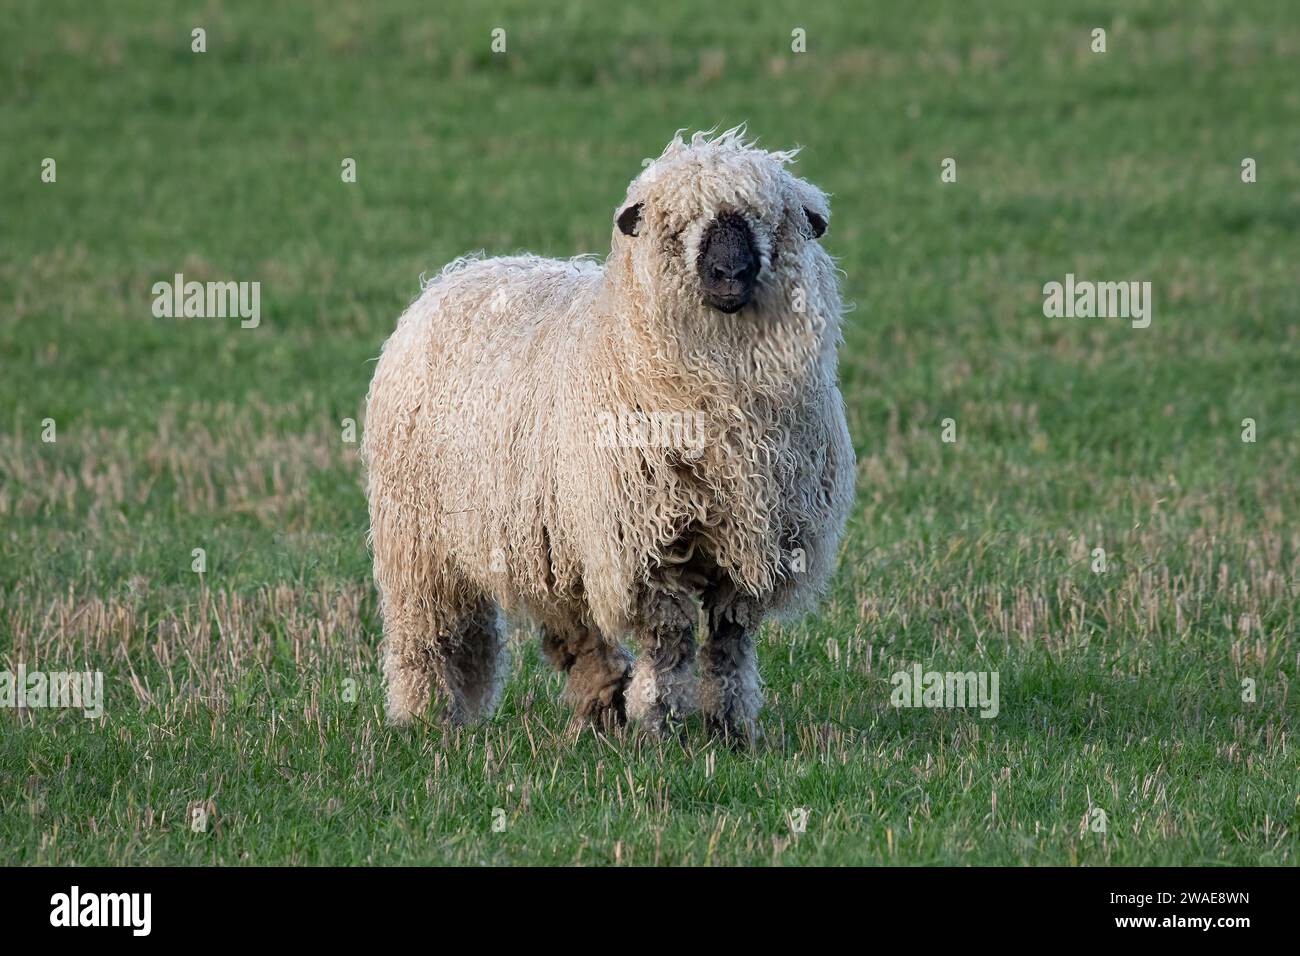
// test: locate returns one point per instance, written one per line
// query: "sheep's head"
(721, 224)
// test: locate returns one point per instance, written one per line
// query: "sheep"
(617, 450)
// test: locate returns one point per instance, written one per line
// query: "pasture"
(1146, 714)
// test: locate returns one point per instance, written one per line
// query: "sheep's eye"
(629, 219)
(816, 222)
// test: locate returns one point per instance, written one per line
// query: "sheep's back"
(462, 429)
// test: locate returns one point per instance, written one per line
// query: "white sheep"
(607, 448)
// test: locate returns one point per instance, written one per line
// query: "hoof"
(738, 734)
(606, 707)
(659, 723)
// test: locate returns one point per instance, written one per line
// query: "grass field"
(252, 689)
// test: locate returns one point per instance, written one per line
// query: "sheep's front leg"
(598, 672)
(664, 685)
(731, 692)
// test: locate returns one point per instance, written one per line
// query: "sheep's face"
(724, 226)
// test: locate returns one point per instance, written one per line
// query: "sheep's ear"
(816, 222)
(629, 219)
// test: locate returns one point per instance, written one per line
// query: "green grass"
(1119, 691)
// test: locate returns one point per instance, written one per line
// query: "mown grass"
(1120, 692)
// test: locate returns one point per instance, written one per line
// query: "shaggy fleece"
(496, 482)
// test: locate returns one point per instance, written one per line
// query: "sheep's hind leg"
(472, 663)
(464, 652)
(409, 665)
(731, 692)
(598, 672)
(408, 673)
(664, 684)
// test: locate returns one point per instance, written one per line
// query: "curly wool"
(493, 478)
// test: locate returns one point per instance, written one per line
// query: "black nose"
(728, 264)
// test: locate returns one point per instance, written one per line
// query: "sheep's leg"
(408, 672)
(598, 672)
(464, 651)
(664, 685)
(409, 665)
(472, 663)
(731, 692)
